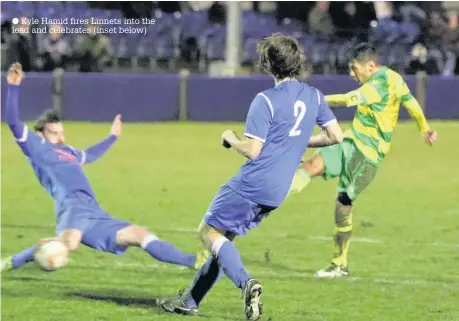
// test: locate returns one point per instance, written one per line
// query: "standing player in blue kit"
(278, 130)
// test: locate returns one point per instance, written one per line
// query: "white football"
(51, 254)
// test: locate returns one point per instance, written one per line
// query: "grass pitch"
(403, 259)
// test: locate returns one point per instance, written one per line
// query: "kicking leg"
(134, 235)
(343, 233)
(70, 237)
(309, 169)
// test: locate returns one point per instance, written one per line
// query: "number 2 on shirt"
(299, 110)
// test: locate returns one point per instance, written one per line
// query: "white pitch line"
(354, 239)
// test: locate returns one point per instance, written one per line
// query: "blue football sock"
(231, 262)
(23, 257)
(166, 252)
(204, 280)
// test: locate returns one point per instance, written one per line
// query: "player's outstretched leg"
(343, 233)
(306, 171)
(18, 260)
(134, 235)
(70, 237)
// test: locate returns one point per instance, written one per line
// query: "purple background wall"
(442, 98)
(149, 97)
(139, 97)
(223, 99)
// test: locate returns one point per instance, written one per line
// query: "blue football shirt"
(58, 167)
(283, 118)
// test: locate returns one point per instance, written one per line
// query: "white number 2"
(299, 110)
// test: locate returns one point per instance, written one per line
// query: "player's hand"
(228, 135)
(430, 137)
(15, 74)
(116, 126)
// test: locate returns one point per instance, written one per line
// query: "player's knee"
(71, 238)
(140, 233)
(208, 235)
(71, 244)
(132, 235)
(203, 236)
(344, 199)
(314, 166)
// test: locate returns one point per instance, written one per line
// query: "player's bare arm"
(249, 148)
(96, 151)
(366, 95)
(333, 135)
(350, 99)
(415, 110)
(116, 126)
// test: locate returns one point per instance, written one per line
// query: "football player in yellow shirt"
(357, 159)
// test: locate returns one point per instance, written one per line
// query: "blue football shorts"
(99, 229)
(230, 211)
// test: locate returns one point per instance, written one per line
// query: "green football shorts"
(345, 161)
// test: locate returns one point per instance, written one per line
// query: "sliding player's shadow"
(123, 301)
(150, 302)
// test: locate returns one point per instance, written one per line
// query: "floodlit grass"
(403, 264)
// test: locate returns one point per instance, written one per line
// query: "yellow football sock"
(343, 233)
(341, 240)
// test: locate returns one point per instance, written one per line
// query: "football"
(51, 254)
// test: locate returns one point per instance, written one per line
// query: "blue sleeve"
(259, 118)
(94, 152)
(324, 116)
(27, 140)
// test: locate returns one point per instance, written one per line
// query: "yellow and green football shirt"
(378, 104)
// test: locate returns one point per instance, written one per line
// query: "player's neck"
(277, 82)
(375, 70)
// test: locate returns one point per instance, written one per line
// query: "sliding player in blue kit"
(59, 168)
(278, 130)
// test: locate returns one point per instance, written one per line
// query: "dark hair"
(49, 116)
(364, 52)
(281, 56)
